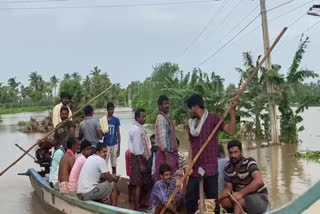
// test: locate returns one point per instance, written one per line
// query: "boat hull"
(69, 204)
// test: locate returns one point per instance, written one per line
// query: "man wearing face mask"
(201, 124)
(244, 182)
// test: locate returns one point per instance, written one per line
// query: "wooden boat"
(308, 203)
(71, 204)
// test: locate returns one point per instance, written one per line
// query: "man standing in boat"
(89, 185)
(165, 139)
(66, 164)
(244, 182)
(65, 100)
(60, 133)
(139, 148)
(201, 125)
(112, 138)
(90, 127)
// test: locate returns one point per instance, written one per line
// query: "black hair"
(65, 95)
(164, 168)
(178, 141)
(138, 112)
(161, 99)
(234, 143)
(64, 108)
(220, 152)
(70, 141)
(88, 110)
(110, 105)
(194, 100)
(100, 146)
(153, 136)
(85, 144)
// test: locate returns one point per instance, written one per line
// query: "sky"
(126, 42)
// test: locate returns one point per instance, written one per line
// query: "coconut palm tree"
(96, 71)
(76, 75)
(66, 76)
(54, 84)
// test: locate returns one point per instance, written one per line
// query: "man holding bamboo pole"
(201, 125)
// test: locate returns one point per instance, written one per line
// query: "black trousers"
(210, 184)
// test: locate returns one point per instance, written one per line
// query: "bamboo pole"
(52, 131)
(25, 151)
(240, 91)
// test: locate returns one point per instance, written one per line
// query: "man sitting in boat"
(56, 112)
(90, 128)
(66, 164)
(222, 161)
(89, 186)
(153, 150)
(140, 152)
(243, 183)
(86, 151)
(59, 141)
(162, 190)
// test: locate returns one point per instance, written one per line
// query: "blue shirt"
(110, 138)
(57, 156)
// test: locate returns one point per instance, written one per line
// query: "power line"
(229, 41)
(230, 12)
(238, 24)
(299, 35)
(280, 5)
(111, 6)
(291, 10)
(211, 20)
(32, 1)
(275, 18)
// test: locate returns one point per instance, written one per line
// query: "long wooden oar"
(240, 91)
(25, 151)
(52, 131)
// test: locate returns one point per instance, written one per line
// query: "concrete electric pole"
(270, 87)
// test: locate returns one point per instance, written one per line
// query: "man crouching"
(244, 186)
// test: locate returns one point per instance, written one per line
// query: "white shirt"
(90, 173)
(135, 143)
(56, 119)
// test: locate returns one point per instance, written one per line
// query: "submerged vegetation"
(309, 155)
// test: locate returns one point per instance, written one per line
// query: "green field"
(24, 109)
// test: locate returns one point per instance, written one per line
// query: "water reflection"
(285, 177)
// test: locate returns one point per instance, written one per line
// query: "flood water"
(285, 177)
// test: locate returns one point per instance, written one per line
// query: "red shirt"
(208, 159)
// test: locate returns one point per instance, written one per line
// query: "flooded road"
(285, 177)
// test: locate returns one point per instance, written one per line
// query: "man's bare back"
(65, 167)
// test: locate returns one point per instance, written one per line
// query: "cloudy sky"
(127, 41)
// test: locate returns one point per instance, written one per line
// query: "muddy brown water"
(285, 177)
